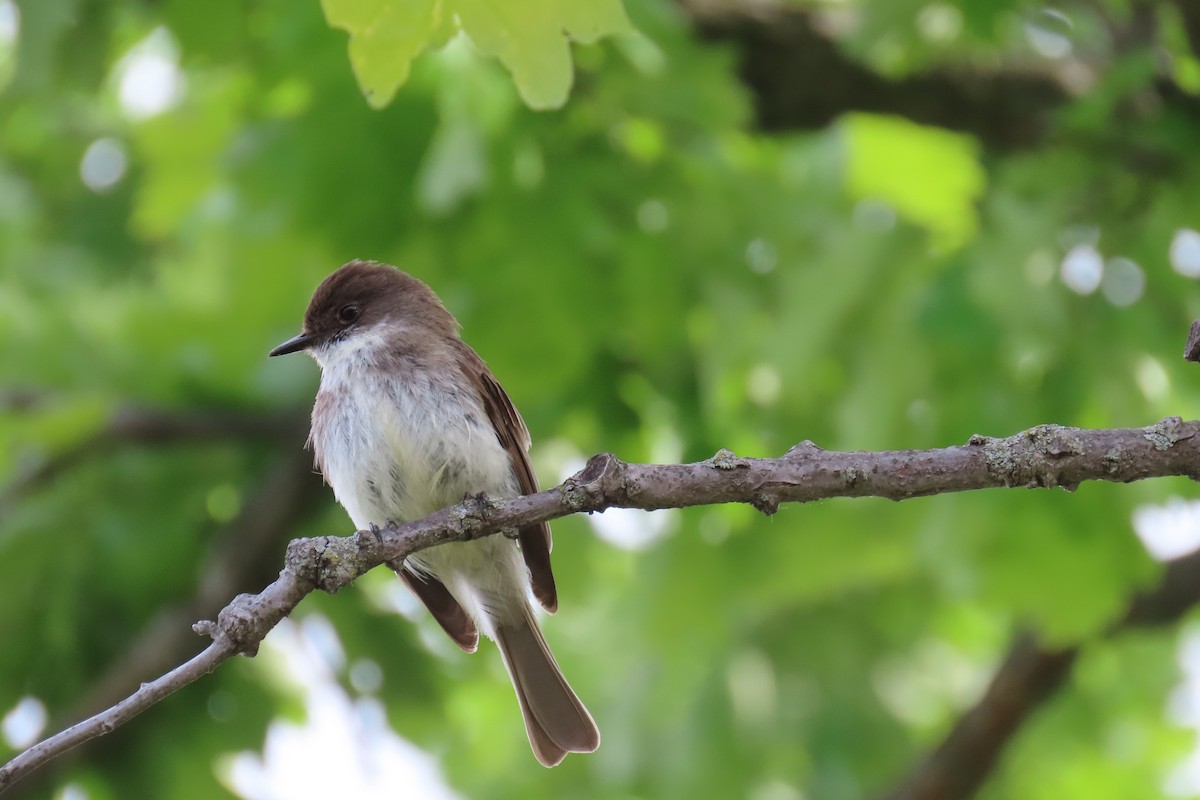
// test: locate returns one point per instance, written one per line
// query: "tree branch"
(93, 727)
(1029, 676)
(964, 759)
(243, 557)
(136, 425)
(1044, 456)
(800, 79)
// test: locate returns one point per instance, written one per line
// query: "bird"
(408, 420)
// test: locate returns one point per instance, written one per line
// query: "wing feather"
(514, 437)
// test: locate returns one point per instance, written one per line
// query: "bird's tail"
(555, 720)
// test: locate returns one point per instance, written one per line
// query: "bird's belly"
(397, 451)
(404, 452)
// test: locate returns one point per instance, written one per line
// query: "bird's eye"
(348, 314)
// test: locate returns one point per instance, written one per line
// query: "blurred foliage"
(647, 274)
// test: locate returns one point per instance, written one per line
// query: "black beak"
(294, 345)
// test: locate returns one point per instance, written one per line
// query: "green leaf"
(931, 176)
(529, 37)
(385, 36)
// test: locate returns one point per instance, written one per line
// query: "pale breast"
(404, 446)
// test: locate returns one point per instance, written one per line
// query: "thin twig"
(149, 694)
(243, 556)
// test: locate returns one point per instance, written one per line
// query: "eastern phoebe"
(407, 421)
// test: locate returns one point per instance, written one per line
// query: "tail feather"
(555, 720)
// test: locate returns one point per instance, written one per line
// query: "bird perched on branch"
(407, 421)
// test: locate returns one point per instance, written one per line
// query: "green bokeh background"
(647, 273)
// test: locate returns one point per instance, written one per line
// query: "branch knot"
(601, 482)
(327, 563)
(472, 514)
(727, 459)
(1165, 434)
(240, 625)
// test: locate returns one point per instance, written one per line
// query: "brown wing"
(445, 609)
(514, 437)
